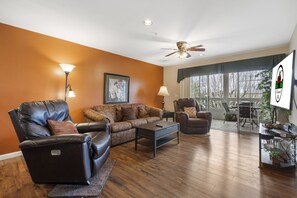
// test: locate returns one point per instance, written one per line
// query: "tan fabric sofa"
(123, 119)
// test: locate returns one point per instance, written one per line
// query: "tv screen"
(281, 84)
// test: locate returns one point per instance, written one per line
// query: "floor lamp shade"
(163, 92)
(67, 68)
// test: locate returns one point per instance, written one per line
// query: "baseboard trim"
(10, 155)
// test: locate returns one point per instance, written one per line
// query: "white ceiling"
(224, 27)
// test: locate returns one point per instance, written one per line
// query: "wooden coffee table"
(156, 134)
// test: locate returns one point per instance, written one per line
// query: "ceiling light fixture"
(201, 54)
(181, 55)
(147, 22)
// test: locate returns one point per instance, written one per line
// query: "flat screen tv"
(282, 82)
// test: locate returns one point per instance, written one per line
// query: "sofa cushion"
(62, 127)
(128, 114)
(191, 111)
(138, 122)
(118, 116)
(152, 119)
(143, 112)
(120, 126)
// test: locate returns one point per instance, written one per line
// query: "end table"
(168, 114)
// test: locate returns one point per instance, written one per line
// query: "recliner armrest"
(181, 116)
(56, 140)
(93, 126)
(204, 114)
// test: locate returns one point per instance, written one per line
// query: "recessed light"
(147, 22)
(201, 54)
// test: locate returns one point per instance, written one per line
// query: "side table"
(168, 114)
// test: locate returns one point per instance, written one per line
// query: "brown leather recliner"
(199, 125)
(69, 158)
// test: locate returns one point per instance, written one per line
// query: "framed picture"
(116, 88)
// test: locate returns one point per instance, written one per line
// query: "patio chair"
(229, 115)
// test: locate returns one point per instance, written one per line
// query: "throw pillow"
(142, 112)
(62, 127)
(128, 114)
(191, 111)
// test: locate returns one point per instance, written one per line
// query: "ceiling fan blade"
(168, 49)
(196, 46)
(170, 54)
(196, 49)
(188, 55)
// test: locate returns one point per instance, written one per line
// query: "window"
(211, 90)
(216, 91)
(199, 89)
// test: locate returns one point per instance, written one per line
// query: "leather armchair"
(199, 125)
(69, 158)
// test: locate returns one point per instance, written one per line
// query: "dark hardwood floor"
(225, 164)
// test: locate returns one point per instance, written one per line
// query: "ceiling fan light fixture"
(181, 55)
(147, 22)
(201, 54)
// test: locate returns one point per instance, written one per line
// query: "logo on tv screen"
(279, 83)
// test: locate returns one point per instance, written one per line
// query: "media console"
(277, 147)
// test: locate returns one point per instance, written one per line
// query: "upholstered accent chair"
(66, 158)
(198, 122)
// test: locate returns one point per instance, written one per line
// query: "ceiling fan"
(182, 49)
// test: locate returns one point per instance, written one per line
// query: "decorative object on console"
(67, 68)
(116, 88)
(163, 92)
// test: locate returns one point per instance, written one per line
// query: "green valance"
(267, 62)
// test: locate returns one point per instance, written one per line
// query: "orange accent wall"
(30, 71)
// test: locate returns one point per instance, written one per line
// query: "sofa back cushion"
(108, 111)
(143, 111)
(115, 114)
(128, 114)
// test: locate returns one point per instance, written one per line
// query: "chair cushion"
(197, 122)
(191, 111)
(62, 127)
(128, 114)
(34, 115)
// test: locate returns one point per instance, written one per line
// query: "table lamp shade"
(163, 91)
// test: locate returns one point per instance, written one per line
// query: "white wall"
(170, 73)
(293, 46)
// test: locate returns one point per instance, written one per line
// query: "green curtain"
(262, 63)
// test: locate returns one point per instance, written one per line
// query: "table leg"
(154, 147)
(136, 138)
(178, 137)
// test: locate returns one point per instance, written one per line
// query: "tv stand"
(277, 148)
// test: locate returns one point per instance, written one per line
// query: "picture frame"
(116, 88)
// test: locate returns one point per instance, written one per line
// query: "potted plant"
(266, 113)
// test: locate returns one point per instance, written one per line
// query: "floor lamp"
(163, 92)
(67, 68)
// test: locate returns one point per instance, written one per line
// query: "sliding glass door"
(239, 91)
